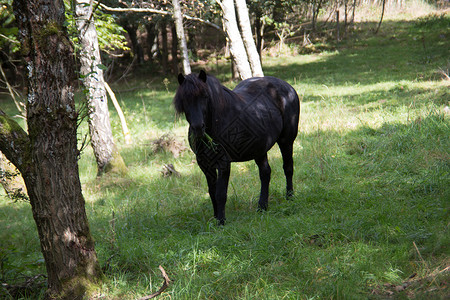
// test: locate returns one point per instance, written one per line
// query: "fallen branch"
(31, 283)
(444, 74)
(163, 287)
(420, 256)
(169, 170)
(126, 132)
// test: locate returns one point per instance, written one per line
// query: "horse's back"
(257, 118)
(279, 91)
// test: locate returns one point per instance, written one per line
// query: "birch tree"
(105, 150)
(237, 48)
(178, 18)
(247, 37)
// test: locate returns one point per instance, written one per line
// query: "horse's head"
(192, 99)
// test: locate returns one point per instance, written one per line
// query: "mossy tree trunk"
(47, 155)
(108, 157)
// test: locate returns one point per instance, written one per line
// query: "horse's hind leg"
(286, 149)
(264, 176)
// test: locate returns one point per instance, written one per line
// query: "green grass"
(372, 165)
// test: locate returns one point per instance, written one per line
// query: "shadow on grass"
(365, 201)
(359, 206)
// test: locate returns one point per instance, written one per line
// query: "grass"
(370, 214)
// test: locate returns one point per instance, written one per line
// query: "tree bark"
(353, 12)
(178, 18)
(150, 39)
(108, 158)
(138, 52)
(164, 49)
(47, 156)
(174, 44)
(259, 31)
(237, 49)
(247, 37)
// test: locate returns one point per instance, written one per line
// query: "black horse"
(239, 125)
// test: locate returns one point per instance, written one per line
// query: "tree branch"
(163, 287)
(14, 142)
(11, 92)
(133, 9)
(9, 39)
(126, 132)
(157, 11)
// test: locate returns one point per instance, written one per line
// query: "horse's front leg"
(264, 176)
(211, 178)
(212, 181)
(223, 176)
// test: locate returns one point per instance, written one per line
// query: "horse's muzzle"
(198, 131)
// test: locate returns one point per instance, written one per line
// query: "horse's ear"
(180, 78)
(202, 76)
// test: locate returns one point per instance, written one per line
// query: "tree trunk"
(174, 44)
(317, 5)
(337, 26)
(259, 32)
(108, 158)
(381, 18)
(353, 12)
(237, 49)
(313, 30)
(164, 48)
(247, 36)
(138, 52)
(47, 157)
(178, 18)
(345, 18)
(151, 35)
(150, 40)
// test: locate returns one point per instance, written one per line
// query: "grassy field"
(369, 219)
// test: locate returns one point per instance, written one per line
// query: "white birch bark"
(178, 17)
(247, 37)
(237, 48)
(105, 151)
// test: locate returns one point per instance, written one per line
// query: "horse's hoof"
(289, 195)
(262, 208)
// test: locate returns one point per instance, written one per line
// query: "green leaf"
(102, 67)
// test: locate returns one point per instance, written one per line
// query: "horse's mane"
(193, 87)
